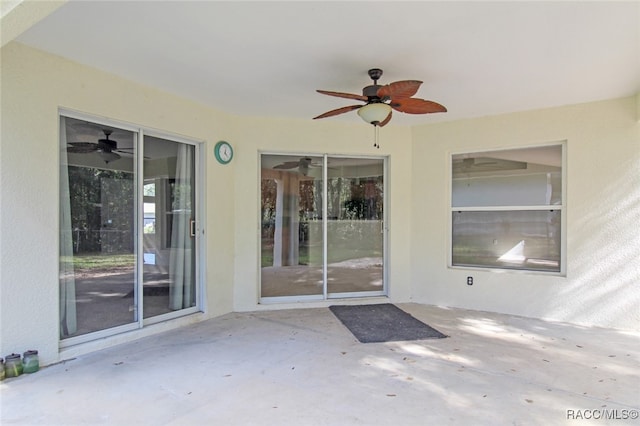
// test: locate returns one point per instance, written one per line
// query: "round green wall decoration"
(223, 152)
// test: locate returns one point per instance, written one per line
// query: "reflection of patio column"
(292, 197)
(285, 236)
(277, 234)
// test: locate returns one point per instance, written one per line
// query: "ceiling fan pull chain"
(376, 135)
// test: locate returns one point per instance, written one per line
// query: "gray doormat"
(383, 323)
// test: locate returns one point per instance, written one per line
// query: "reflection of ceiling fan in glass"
(303, 165)
(485, 164)
(106, 148)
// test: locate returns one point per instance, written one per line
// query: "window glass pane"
(519, 177)
(149, 218)
(97, 224)
(507, 239)
(291, 231)
(169, 278)
(355, 213)
(534, 189)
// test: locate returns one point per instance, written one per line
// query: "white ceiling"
(267, 58)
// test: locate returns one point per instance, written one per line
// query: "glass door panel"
(97, 227)
(169, 237)
(291, 226)
(355, 233)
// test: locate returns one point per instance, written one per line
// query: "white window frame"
(560, 207)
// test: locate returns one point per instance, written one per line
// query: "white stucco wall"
(316, 137)
(34, 85)
(602, 209)
(603, 200)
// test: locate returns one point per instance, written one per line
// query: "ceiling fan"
(303, 165)
(380, 100)
(106, 148)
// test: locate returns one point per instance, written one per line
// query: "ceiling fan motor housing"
(371, 92)
(107, 145)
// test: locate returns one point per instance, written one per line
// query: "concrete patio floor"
(303, 367)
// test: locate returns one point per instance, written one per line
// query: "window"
(149, 194)
(507, 209)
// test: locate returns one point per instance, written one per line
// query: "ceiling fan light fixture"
(374, 113)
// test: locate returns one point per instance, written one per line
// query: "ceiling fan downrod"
(371, 91)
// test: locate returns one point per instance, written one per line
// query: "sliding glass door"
(169, 278)
(355, 226)
(128, 236)
(292, 238)
(322, 228)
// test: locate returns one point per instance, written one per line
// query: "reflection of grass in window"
(303, 255)
(340, 253)
(97, 261)
(267, 254)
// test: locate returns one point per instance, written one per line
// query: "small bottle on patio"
(30, 361)
(13, 365)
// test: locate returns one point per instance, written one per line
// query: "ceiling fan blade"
(344, 95)
(416, 106)
(386, 120)
(82, 147)
(399, 89)
(338, 111)
(128, 152)
(287, 165)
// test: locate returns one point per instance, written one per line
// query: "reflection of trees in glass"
(268, 193)
(180, 195)
(355, 199)
(334, 193)
(149, 226)
(101, 200)
(268, 189)
(149, 190)
(310, 200)
(348, 198)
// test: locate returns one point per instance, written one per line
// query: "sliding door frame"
(199, 229)
(325, 295)
(138, 173)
